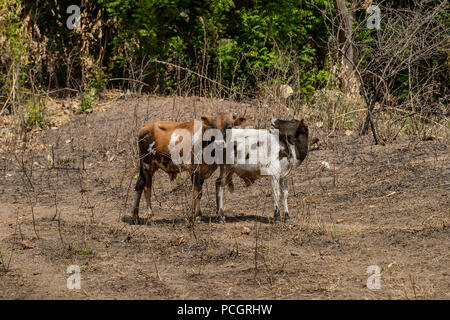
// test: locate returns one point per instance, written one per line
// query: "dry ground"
(375, 205)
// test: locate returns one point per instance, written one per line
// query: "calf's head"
(293, 132)
(222, 122)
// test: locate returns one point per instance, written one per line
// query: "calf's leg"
(276, 198)
(197, 182)
(285, 190)
(223, 180)
(148, 192)
(140, 184)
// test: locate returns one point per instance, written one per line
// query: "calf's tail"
(230, 185)
(140, 184)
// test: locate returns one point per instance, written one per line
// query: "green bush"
(36, 114)
(236, 42)
(87, 99)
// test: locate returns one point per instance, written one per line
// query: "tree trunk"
(349, 82)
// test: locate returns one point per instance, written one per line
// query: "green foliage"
(12, 27)
(84, 251)
(241, 41)
(97, 79)
(249, 46)
(13, 53)
(36, 114)
(87, 99)
(335, 234)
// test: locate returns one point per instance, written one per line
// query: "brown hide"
(160, 133)
(154, 142)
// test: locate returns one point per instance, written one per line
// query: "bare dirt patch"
(375, 205)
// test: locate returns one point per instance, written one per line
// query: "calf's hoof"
(135, 219)
(277, 220)
(220, 216)
(150, 221)
(287, 219)
(198, 219)
(135, 215)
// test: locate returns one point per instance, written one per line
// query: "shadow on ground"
(205, 219)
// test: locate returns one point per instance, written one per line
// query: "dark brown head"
(294, 132)
(222, 122)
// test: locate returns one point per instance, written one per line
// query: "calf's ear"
(207, 122)
(302, 128)
(239, 121)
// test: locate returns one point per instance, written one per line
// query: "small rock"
(325, 164)
(314, 141)
(349, 132)
(286, 91)
(27, 244)
(245, 231)
(179, 241)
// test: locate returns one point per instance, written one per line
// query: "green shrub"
(88, 98)
(36, 114)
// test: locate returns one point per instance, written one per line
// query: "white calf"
(292, 147)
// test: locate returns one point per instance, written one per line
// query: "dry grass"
(375, 205)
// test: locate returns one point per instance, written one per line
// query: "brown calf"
(157, 142)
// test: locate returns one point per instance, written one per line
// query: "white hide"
(180, 141)
(151, 150)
